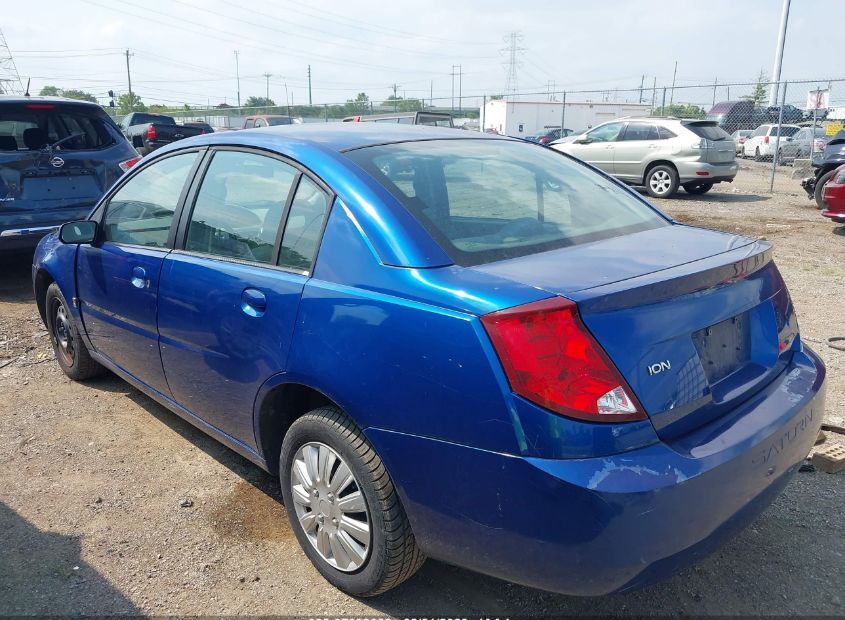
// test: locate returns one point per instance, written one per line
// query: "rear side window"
(70, 128)
(640, 131)
(708, 131)
(488, 200)
(239, 206)
(141, 211)
(304, 227)
(665, 134)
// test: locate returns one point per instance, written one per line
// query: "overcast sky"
(183, 50)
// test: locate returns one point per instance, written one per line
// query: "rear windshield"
(434, 121)
(273, 121)
(159, 119)
(489, 200)
(708, 131)
(31, 127)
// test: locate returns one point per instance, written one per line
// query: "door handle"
(253, 302)
(139, 278)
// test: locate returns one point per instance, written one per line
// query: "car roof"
(335, 136)
(21, 99)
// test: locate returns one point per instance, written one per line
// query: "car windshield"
(30, 127)
(158, 119)
(489, 200)
(708, 131)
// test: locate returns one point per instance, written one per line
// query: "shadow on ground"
(41, 574)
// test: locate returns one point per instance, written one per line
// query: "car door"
(230, 292)
(118, 277)
(635, 146)
(597, 145)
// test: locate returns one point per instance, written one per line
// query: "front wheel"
(698, 187)
(343, 506)
(71, 352)
(661, 181)
(818, 194)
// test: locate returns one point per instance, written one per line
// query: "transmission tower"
(10, 81)
(513, 50)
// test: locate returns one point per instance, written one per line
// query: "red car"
(834, 196)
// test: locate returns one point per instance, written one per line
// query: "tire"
(390, 554)
(757, 156)
(818, 194)
(68, 346)
(698, 187)
(661, 181)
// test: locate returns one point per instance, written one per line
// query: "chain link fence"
(777, 127)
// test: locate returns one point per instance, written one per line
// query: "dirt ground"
(93, 478)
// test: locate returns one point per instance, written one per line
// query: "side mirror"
(582, 141)
(83, 231)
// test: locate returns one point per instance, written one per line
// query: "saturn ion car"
(447, 345)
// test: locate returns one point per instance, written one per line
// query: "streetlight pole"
(238, 77)
(784, 19)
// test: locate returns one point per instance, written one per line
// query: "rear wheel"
(661, 181)
(819, 191)
(70, 350)
(698, 187)
(343, 506)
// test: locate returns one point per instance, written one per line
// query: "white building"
(524, 118)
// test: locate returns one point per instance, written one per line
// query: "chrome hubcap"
(62, 334)
(660, 181)
(330, 506)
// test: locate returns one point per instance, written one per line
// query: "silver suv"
(659, 153)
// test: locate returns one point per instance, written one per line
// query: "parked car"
(803, 142)
(448, 345)
(742, 114)
(834, 196)
(433, 119)
(739, 137)
(825, 165)
(659, 153)
(761, 143)
(57, 158)
(202, 125)
(148, 131)
(549, 135)
(266, 120)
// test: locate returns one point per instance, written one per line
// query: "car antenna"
(26, 94)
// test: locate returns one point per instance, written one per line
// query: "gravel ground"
(93, 478)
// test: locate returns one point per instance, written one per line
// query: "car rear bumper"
(23, 230)
(599, 525)
(701, 171)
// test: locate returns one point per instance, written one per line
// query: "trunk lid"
(696, 324)
(719, 147)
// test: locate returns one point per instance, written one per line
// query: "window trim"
(187, 209)
(99, 212)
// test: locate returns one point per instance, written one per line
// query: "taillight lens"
(766, 139)
(151, 132)
(551, 359)
(126, 165)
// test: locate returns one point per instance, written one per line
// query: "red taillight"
(151, 132)
(126, 165)
(551, 359)
(544, 140)
(766, 140)
(742, 140)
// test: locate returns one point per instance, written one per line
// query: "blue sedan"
(448, 345)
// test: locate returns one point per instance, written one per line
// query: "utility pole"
(129, 80)
(642, 81)
(287, 100)
(513, 50)
(452, 106)
(653, 93)
(309, 86)
(238, 76)
(460, 89)
(674, 75)
(715, 85)
(784, 19)
(431, 94)
(395, 87)
(267, 76)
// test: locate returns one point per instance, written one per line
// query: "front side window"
(141, 212)
(488, 200)
(304, 226)
(239, 206)
(605, 133)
